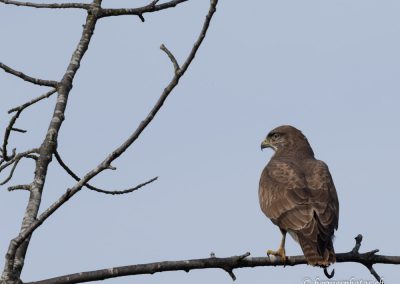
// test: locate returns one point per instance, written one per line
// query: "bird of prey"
(297, 193)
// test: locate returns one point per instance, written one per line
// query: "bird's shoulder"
(283, 171)
(292, 173)
(317, 175)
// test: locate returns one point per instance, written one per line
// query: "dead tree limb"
(15, 256)
(228, 264)
(33, 101)
(48, 6)
(94, 188)
(152, 7)
(27, 78)
(14, 118)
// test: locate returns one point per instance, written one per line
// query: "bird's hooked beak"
(265, 144)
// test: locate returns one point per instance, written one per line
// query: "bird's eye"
(275, 136)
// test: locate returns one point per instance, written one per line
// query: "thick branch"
(15, 256)
(91, 187)
(152, 7)
(27, 78)
(50, 5)
(227, 264)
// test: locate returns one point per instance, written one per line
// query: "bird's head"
(286, 138)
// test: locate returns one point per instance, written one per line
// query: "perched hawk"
(297, 193)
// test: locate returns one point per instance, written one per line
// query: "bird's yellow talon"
(280, 252)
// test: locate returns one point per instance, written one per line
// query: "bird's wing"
(284, 196)
(324, 196)
(302, 201)
(291, 197)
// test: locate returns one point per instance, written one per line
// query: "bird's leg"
(281, 250)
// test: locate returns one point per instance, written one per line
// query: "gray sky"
(330, 68)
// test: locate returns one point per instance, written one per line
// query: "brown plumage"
(297, 193)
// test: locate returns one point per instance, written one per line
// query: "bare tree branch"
(17, 249)
(15, 164)
(7, 158)
(171, 57)
(13, 120)
(152, 7)
(15, 256)
(102, 12)
(7, 133)
(18, 130)
(11, 173)
(16, 157)
(51, 6)
(91, 187)
(368, 261)
(20, 187)
(35, 100)
(27, 78)
(227, 264)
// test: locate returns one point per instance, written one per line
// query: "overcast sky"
(330, 68)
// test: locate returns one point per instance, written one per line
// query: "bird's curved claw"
(329, 276)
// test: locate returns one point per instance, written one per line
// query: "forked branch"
(10, 127)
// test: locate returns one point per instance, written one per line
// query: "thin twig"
(375, 274)
(152, 7)
(14, 161)
(20, 187)
(16, 157)
(27, 78)
(13, 120)
(357, 246)
(91, 187)
(171, 57)
(35, 100)
(48, 5)
(7, 133)
(368, 258)
(18, 130)
(7, 158)
(11, 173)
